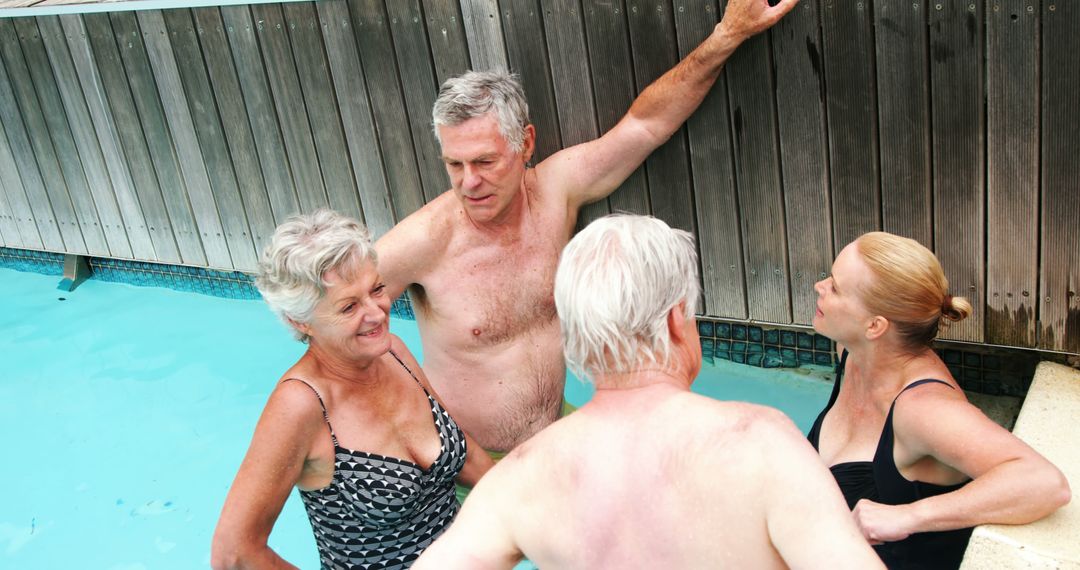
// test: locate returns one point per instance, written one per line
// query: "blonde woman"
(919, 465)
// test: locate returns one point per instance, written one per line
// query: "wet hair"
(616, 283)
(908, 287)
(477, 93)
(302, 250)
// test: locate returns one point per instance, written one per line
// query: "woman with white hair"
(919, 465)
(354, 424)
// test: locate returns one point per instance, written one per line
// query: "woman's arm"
(273, 464)
(1011, 482)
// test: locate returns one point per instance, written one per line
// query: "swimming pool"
(126, 411)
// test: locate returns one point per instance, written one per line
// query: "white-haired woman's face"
(352, 320)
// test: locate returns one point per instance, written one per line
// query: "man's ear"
(877, 328)
(676, 322)
(528, 144)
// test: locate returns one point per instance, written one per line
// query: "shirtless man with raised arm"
(647, 474)
(479, 260)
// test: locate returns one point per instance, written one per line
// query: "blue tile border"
(988, 370)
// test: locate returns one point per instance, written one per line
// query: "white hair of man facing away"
(302, 250)
(616, 283)
(648, 474)
(477, 93)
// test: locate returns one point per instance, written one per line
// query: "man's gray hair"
(303, 249)
(477, 93)
(617, 281)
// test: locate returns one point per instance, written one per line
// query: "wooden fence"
(186, 135)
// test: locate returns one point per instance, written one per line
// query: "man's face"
(484, 170)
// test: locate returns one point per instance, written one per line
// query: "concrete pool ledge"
(1047, 423)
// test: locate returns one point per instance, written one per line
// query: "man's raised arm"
(590, 171)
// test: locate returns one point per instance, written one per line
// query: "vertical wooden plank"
(153, 236)
(259, 106)
(903, 91)
(565, 33)
(288, 101)
(99, 146)
(21, 210)
(613, 86)
(485, 36)
(757, 171)
(420, 89)
(62, 147)
(653, 43)
(181, 127)
(100, 190)
(956, 75)
(1059, 275)
(446, 32)
(198, 131)
(524, 33)
(234, 124)
(32, 147)
(9, 231)
(322, 107)
(151, 131)
(1012, 149)
(387, 105)
(851, 101)
(804, 152)
(709, 131)
(355, 108)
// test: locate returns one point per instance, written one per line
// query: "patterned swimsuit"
(381, 512)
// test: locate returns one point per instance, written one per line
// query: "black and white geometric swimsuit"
(381, 512)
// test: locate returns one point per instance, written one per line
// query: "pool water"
(125, 412)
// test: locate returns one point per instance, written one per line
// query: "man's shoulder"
(739, 422)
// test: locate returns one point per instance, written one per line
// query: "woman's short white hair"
(617, 281)
(477, 93)
(303, 249)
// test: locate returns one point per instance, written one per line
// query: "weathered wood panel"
(1059, 275)
(261, 114)
(234, 124)
(903, 91)
(804, 153)
(487, 49)
(757, 171)
(199, 135)
(21, 210)
(847, 30)
(565, 33)
(956, 32)
(1012, 147)
(103, 198)
(527, 50)
(123, 146)
(709, 133)
(446, 32)
(654, 45)
(420, 88)
(9, 232)
(613, 85)
(387, 105)
(355, 107)
(322, 107)
(145, 130)
(289, 103)
(181, 130)
(37, 162)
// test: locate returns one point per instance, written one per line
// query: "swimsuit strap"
(403, 365)
(919, 383)
(322, 405)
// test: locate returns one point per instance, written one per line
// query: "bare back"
(484, 304)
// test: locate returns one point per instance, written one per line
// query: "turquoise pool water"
(125, 412)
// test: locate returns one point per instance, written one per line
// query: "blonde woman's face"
(841, 314)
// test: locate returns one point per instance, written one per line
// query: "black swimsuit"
(382, 512)
(880, 481)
